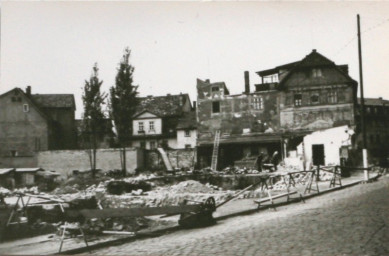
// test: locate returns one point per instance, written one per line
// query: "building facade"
(34, 122)
(159, 122)
(377, 132)
(292, 101)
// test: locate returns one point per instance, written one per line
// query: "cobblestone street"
(352, 221)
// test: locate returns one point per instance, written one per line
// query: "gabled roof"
(6, 170)
(163, 106)
(315, 59)
(54, 100)
(187, 121)
(374, 102)
(29, 100)
(145, 111)
(277, 69)
(28, 169)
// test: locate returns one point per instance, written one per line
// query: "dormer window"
(316, 72)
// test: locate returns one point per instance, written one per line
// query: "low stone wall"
(179, 158)
(65, 161)
(18, 162)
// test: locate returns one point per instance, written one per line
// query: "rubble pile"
(168, 195)
(235, 170)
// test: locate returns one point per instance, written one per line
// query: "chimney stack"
(207, 81)
(28, 90)
(246, 82)
(194, 105)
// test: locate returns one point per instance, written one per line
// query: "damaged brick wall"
(179, 158)
(256, 112)
(321, 107)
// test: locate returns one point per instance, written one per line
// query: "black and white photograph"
(194, 127)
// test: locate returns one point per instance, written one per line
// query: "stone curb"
(165, 231)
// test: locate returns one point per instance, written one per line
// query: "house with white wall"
(164, 121)
(323, 147)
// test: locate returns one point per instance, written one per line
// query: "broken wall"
(254, 112)
(179, 158)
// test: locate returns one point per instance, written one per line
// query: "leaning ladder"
(215, 150)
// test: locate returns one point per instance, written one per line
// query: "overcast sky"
(52, 46)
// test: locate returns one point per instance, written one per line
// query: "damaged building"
(292, 100)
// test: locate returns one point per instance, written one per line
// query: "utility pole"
(364, 151)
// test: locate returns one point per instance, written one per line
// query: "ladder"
(215, 150)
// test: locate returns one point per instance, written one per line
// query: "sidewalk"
(49, 244)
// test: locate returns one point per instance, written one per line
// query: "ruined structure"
(293, 100)
(34, 122)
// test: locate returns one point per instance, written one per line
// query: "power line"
(363, 32)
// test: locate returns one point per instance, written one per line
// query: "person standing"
(274, 160)
(259, 162)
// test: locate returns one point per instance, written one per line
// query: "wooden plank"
(274, 197)
(133, 212)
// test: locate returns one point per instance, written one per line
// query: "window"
(297, 99)
(257, 103)
(215, 107)
(332, 97)
(314, 99)
(143, 144)
(187, 133)
(316, 72)
(152, 145)
(188, 146)
(140, 127)
(215, 88)
(151, 125)
(13, 99)
(14, 153)
(26, 108)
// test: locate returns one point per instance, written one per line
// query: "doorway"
(318, 154)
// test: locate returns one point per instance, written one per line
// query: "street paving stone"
(353, 221)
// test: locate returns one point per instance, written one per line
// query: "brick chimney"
(246, 82)
(28, 90)
(194, 105)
